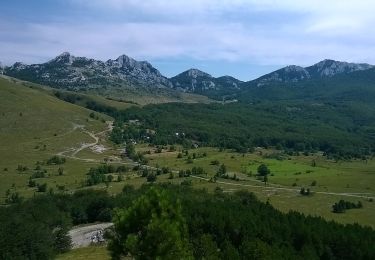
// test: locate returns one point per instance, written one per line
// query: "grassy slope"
(30, 119)
(356, 176)
(155, 97)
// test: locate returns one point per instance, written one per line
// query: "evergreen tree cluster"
(100, 174)
(180, 222)
(263, 124)
(342, 206)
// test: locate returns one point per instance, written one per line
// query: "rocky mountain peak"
(329, 68)
(195, 73)
(123, 61)
(63, 58)
(323, 69)
(195, 80)
(294, 68)
(70, 72)
(291, 73)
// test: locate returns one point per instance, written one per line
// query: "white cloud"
(199, 29)
(231, 42)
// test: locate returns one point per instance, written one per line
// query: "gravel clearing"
(84, 236)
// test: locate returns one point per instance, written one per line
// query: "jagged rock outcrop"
(194, 80)
(322, 69)
(329, 68)
(67, 71)
(81, 73)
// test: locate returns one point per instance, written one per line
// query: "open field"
(356, 176)
(86, 253)
(352, 181)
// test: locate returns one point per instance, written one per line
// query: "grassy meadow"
(330, 181)
(86, 253)
(34, 126)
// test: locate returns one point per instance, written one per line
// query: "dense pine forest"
(214, 226)
(333, 128)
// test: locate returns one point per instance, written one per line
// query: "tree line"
(176, 221)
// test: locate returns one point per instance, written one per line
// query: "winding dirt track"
(271, 188)
(95, 136)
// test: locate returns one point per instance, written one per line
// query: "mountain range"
(80, 73)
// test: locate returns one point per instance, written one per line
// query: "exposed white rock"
(194, 80)
(322, 69)
(329, 68)
(79, 72)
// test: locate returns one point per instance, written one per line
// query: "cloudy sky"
(242, 38)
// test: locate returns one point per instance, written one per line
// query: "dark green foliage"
(98, 175)
(341, 130)
(342, 206)
(215, 162)
(89, 206)
(221, 171)
(60, 171)
(93, 116)
(41, 187)
(186, 183)
(120, 178)
(21, 168)
(85, 101)
(35, 229)
(62, 242)
(31, 183)
(122, 168)
(151, 177)
(56, 160)
(198, 171)
(219, 225)
(152, 228)
(263, 170)
(132, 154)
(109, 178)
(38, 174)
(13, 197)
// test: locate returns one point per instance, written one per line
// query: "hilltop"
(132, 79)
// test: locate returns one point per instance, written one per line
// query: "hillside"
(196, 81)
(357, 86)
(34, 126)
(321, 70)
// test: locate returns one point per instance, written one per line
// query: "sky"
(241, 38)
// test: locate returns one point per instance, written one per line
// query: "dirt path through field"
(95, 136)
(271, 188)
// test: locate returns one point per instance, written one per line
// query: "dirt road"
(356, 195)
(83, 236)
(95, 136)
